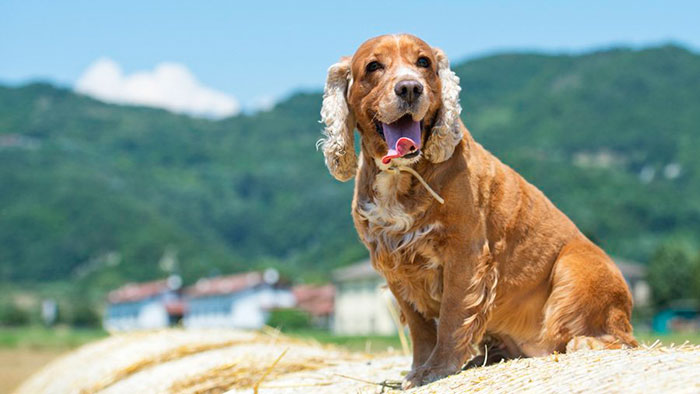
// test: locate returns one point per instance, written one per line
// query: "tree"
(85, 316)
(289, 319)
(696, 278)
(13, 315)
(672, 269)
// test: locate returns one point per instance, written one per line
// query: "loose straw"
(399, 327)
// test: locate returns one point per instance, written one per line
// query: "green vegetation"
(79, 303)
(368, 343)
(379, 343)
(12, 315)
(99, 193)
(672, 271)
(39, 337)
(95, 194)
(289, 319)
(61, 338)
(668, 339)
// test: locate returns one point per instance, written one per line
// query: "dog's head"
(402, 97)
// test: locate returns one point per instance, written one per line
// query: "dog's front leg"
(469, 286)
(423, 331)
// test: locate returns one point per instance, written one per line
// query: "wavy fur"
(339, 145)
(447, 131)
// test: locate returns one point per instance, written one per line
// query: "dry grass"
(244, 373)
(652, 369)
(242, 362)
(157, 359)
(17, 364)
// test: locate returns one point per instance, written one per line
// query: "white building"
(144, 306)
(361, 302)
(235, 301)
(635, 276)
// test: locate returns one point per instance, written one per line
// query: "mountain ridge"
(85, 179)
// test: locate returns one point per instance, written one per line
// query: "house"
(235, 301)
(317, 301)
(143, 306)
(635, 276)
(361, 302)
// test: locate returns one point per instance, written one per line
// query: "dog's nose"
(409, 90)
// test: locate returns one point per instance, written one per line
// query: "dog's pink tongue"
(402, 137)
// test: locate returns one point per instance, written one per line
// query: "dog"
(477, 258)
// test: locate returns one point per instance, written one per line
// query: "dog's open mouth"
(403, 137)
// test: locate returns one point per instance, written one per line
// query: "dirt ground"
(17, 364)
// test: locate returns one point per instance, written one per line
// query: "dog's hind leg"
(618, 334)
(590, 305)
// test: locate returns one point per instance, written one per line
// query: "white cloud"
(169, 85)
(263, 103)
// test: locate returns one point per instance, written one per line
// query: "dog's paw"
(594, 343)
(584, 343)
(426, 374)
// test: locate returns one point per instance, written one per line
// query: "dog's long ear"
(447, 130)
(339, 142)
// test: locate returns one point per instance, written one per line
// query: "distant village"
(357, 301)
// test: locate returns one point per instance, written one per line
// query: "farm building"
(317, 301)
(361, 302)
(235, 301)
(142, 306)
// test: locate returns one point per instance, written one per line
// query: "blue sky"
(256, 50)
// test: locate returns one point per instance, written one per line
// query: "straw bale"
(218, 361)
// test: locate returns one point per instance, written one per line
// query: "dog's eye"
(373, 66)
(423, 62)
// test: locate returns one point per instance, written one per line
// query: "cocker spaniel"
(475, 255)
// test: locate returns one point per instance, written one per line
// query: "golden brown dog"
(496, 264)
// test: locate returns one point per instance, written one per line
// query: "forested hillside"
(89, 189)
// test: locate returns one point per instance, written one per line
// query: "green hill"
(97, 190)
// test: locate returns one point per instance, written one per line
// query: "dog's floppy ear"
(447, 130)
(339, 142)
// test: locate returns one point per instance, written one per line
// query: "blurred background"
(157, 160)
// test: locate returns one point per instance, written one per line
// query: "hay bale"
(218, 361)
(643, 370)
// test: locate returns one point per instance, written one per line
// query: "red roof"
(224, 284)
(317, 300)
(138, 291)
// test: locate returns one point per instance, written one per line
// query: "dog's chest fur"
(402, 242)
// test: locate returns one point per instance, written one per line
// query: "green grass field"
(38, 337)
(378, 343)
(366, 343)
(668, 339)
